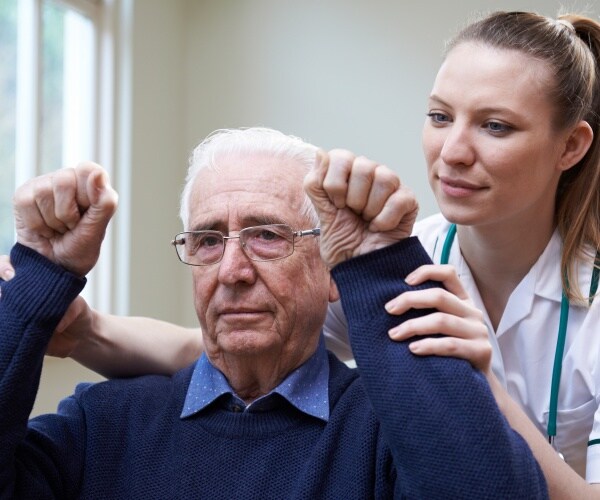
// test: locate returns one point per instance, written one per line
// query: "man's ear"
(577, 145)
(333, 291)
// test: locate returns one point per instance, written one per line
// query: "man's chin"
(246, 342)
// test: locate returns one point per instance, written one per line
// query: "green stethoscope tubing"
(562, 330)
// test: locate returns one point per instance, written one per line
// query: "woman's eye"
(438, 117)
(497, 127)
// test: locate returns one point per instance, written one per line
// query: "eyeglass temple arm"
(309, 232)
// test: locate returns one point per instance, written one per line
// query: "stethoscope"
(562, 332)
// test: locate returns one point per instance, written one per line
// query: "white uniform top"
(524, 346)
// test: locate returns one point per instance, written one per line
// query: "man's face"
(249, 309)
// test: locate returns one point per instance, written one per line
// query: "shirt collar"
(306, 388)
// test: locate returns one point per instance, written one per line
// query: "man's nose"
(236, 266)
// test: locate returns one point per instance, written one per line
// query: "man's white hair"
(248, 141)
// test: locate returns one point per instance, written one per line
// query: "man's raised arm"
(446, 433)
(56, 247)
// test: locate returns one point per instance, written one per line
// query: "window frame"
(109, 18)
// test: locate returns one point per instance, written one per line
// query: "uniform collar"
(543, 279)
(546, 271)
(306, 388)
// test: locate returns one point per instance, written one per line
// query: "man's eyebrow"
(206, 226)
(261, 220)
(247, 221)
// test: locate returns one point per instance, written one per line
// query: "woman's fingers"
(443, 273)
(463, 332)
(477, 352)
(433, 298)
(438, 322)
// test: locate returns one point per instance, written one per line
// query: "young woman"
(512, 147)
(511, 141)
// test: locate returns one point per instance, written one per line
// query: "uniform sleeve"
(438, 416)
(34, 463)
(335, 330)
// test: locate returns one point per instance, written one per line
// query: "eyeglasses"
(261, 243)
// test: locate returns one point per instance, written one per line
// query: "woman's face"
(491, 149)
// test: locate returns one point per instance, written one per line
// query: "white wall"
(339, 73)
(158, 156)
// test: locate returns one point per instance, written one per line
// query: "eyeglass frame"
(178, 240)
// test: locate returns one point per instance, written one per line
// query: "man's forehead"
(250, 192)
(237, 216)
(256, 186)
(256, 168)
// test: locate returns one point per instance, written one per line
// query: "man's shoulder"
(343, 380)
(135, 390)
(350, 408)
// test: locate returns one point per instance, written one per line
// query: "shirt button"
(236, 408)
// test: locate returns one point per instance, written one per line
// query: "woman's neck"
(500, 256)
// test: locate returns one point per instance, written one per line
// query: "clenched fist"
(63, 215)
(362, 205)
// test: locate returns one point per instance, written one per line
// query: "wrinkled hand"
(362, 205)
(63, 215)
(466, 335)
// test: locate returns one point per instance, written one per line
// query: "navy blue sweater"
(407, 427)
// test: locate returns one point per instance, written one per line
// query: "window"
(8, 69)
(53, 100)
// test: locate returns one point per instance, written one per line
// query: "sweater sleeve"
(31, 305)
(438, 415)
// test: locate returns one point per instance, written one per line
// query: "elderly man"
(266, 412)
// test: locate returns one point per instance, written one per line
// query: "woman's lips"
(458, 188)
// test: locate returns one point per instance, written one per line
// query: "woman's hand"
(74, 326)
(461, 323)
(6, 269)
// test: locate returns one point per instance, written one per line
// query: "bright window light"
(52, 52)
(8, 113)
